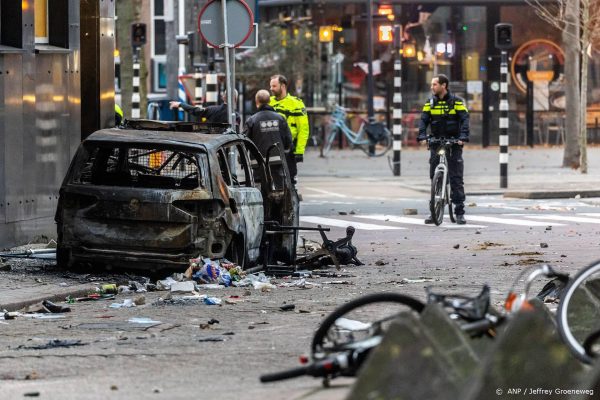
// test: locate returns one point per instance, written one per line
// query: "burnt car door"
(245, 200)
(281, 201)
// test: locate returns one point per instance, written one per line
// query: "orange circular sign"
(537, 60)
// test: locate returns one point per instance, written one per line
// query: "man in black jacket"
(217, 113)
(449, 118)
(266, 128)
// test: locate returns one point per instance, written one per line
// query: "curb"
(54, 296)
(558, 194)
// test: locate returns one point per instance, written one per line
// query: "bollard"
(503, 138)
(135, 94)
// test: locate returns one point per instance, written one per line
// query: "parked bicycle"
(377, 136)
(347, 335)
(578, 314)
(440, 184)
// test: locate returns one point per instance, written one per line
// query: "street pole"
(503, 123)
(228, 70)
(397, 102)
(370, 111)
(135, 94)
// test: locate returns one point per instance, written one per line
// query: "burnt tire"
(63, 258)
(236, 252)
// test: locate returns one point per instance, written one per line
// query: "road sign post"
(226, 24)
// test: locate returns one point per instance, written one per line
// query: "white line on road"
(413, 221)
(566, 218)
(333, 194)
(590, 214)
(344, 223)
(506, 221)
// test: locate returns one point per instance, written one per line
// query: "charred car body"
(154, 195)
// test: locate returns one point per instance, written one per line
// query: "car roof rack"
(177, 126)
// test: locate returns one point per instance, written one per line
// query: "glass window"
(11, 17)
(41, 21)
(160, 44)
(159, 7)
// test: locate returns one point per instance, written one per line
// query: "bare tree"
(579, 21)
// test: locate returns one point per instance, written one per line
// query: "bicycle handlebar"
(291, 373)
(434, 140)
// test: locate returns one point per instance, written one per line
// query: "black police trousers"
(455, 175)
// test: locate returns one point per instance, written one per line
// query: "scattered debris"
(143, 320)
(182, 287)
(212, 301)
(381, 262)
(417, 280)
(525, 253)
(543, 245)
(127, 303)
(410, 211)
(486, 245)
(456, 246)
(342, 213)
(212, 339)
(52, 344)
(549, 228)
(287, 307)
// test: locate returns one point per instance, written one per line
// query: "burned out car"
(154, 195)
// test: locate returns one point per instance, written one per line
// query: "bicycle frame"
(443, 167)
(339, 122)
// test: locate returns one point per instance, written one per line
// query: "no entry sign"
(239, 23)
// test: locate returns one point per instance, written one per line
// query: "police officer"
(449, 118)
(217, 113)
(118, 115)
(266, 128)
(293, 110)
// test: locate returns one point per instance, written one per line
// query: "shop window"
(11, 21)
(159, 74)
(52, 22)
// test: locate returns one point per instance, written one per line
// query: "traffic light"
(325, 34)
(138, 34)
(386, 33)
(503, 36)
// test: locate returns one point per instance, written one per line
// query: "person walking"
(211, 114)
(449, 118)
(267, 128)
(294, 112)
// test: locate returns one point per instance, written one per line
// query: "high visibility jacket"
(448, 117)
(293, 110)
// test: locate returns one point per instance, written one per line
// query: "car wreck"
(153, 195)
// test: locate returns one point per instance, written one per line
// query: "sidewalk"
(532, 173)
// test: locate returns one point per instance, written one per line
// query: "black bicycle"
(578, 314)
(347, 335)
(440, 185)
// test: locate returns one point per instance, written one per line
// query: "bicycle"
(578, 314)
(440, 185)
(376, 136)
(347, 335)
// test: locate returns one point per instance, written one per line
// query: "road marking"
(506, 221)
(343, 223)
(566, 218)
(413, 221)
(590, 214)
(333, 194)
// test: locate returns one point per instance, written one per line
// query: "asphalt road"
(172, 359)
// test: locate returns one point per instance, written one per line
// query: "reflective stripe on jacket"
(448, 117)
(294, 112)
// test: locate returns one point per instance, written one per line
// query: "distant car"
(154, 195)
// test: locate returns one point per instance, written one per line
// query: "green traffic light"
(465, 28)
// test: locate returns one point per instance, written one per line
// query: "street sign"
(240, 22)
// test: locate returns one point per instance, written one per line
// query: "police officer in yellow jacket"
(449, 118)
(294, 111)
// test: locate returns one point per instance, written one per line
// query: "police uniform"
(266, 128)
(293, 110)
(448, 118)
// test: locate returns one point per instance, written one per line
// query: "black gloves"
(299, 157)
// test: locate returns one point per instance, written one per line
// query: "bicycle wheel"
(450, 210)
(384, 144)
(437, 202)
(578, 314)
(360, 319)
(329, 141)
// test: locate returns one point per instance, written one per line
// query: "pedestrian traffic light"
(325, 34)
(138, 34)
(386, 33)
(503, 36)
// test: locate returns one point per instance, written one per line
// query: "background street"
(170, 358)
